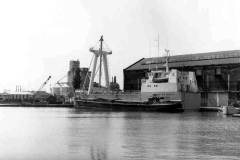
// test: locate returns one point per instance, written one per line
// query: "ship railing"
(131, 96)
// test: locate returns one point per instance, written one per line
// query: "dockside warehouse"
(217, 74)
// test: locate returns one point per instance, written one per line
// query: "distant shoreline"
(36, 105)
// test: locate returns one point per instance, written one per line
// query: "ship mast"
(102, 55)
(100, 64)
(167, 56)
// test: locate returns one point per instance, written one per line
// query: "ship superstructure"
(168, 86)
(172, 81)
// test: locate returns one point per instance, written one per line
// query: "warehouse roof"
(189, 60)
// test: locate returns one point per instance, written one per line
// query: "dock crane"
(44, 83)
(37, 96)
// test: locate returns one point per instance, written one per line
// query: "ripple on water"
(61, 133)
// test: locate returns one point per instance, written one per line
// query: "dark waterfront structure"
(73, 67)
(83, 72)
(217, 73)
(85, 75)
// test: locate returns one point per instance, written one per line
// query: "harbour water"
(64, 133)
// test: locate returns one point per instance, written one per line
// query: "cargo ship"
(161, 91)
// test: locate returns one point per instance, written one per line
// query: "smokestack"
(17, 88)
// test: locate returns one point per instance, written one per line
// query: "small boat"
(161, 91)
(236, 115)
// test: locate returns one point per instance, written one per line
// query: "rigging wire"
(61, 78)
(87, 73)
(105, 46)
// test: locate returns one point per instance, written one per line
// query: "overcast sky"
(38, 38)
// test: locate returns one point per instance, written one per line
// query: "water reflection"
(208, 135)
(159, 135)
(98, 153)
(88, 134)
(150, 137)
(73, 134)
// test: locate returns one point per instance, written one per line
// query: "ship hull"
(111, 105)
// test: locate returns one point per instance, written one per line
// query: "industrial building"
(64, 90)
(217, 74)
(73, 67)
(84, 74)
(17, 96)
